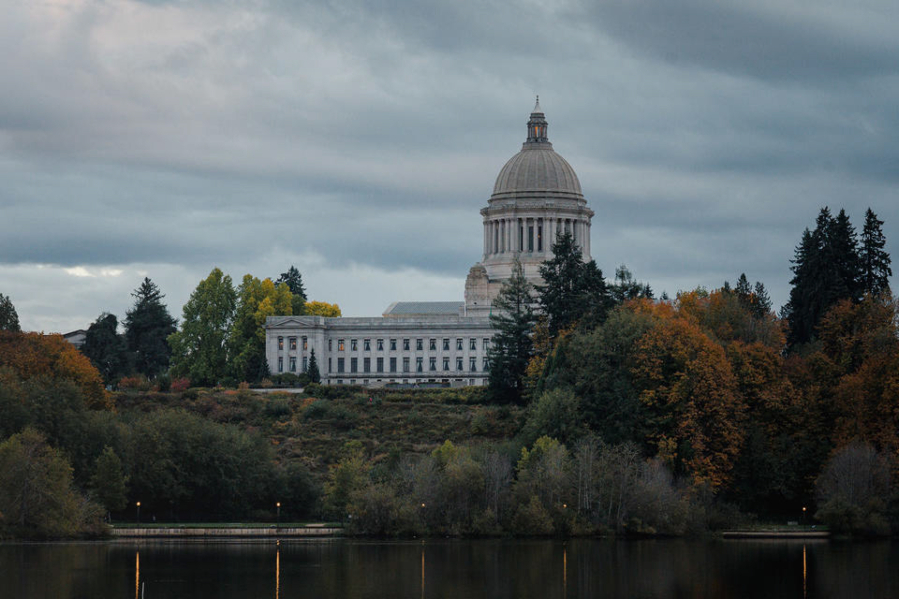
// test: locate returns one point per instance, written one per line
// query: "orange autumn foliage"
(694, 406)
(30, 355)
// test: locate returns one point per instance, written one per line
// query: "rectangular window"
(393, 345)
(405, 345)
(472, 364)
(432, 345)
(305, 363)
(433, 365)
(446, 363)
(280, 342)
(392, 364)
(458, 345)
(305, 343)
(486, 343)
(329, 365)
(520, 237)
(459, 364)
(340, 345)
(405, 364)
(340, 364)
(354, 364)
(419, 344)
(446, 345)
(354, 344)
(293, 343)
(419, 364)
(293, 364)
(329, 344)
(280, 364)
(473, 344)
(380, 364)
(486, 366)
(530, 238)
(539, 238)
(366, 364)
(366, 344)
(380, 345)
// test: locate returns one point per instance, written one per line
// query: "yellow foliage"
(322, 309)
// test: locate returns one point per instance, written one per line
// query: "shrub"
(134, 383)
(278, 406)
(180, 385)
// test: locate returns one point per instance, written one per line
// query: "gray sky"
(357, 140)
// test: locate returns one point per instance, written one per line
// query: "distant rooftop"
(404, 309)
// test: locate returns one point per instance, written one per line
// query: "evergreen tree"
(105, 348)
(826, 269)
(626, 287)
(875, 261)
(761, 305)
(109, 482)
(9, 319)
(148, 325)
(198, 349)
(743, 289)
(312, 369)
(573, 291)
(294, 281)
(512, 346)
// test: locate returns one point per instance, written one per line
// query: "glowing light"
(136, 574)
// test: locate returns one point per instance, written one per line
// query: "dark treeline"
(641, 415)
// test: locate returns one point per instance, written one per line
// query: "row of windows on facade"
(366, 344)
(379, 365)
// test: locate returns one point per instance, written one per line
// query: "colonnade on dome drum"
(533, 234)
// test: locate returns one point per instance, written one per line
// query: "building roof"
(537, 168)
(403, 309)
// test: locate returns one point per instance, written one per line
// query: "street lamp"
(803, 514)
(278, 505)
(138, 514)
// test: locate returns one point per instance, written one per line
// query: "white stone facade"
(439, 350)
(537, 196)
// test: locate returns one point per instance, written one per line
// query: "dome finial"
(537, 105)
(537, 125)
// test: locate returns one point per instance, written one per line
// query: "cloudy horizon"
(358, 140)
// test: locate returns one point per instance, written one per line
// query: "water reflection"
(493, 568)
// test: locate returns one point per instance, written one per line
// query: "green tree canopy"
(148, 325)
(875, 261)
(105, 347)
(312, 369)
(198, 349)
(256, 300)
(294, 281)
(109, 482)
(512, 346)
(9, 319)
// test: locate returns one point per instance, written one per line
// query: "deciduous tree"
(198, 349)
(325, 309)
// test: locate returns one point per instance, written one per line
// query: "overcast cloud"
(358, 140)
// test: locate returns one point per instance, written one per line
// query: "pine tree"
(148, 325)
(312, 369)
(875, 261)
(743, 289)
(294, 281)
(761, 305)
(9, 319)
(105, 348)
(512, 346)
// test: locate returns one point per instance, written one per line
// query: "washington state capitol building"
(536, 197)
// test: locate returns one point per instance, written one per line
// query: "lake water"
(349, 569)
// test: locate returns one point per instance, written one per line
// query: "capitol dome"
(537, 171)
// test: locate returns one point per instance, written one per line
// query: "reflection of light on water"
(804, 574)
(564, 570)
(136, 574)
(278, 570)
(422, 571)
